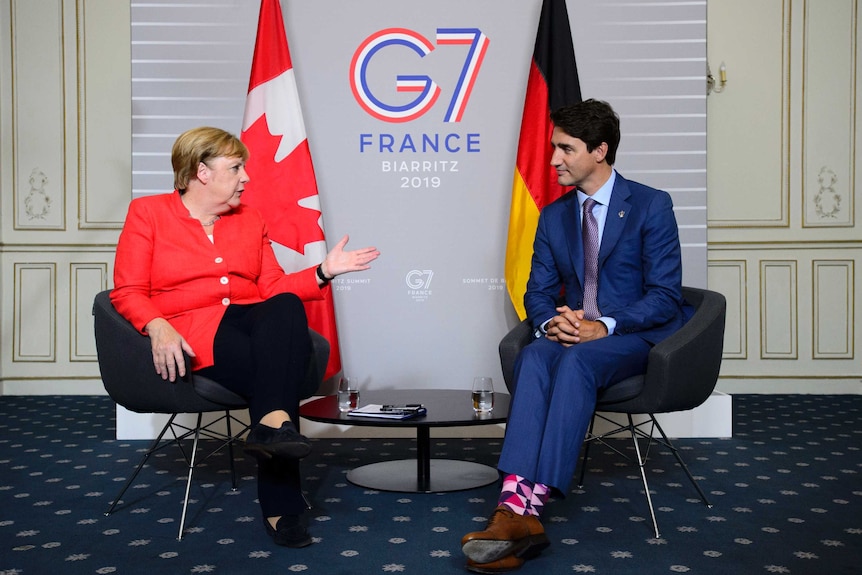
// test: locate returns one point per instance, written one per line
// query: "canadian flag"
(282, 185)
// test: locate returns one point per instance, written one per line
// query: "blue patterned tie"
(590, 232)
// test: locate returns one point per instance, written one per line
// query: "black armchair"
(126, 366)
(682, 372)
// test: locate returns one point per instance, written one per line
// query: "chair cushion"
(217, 393)
(622, 391)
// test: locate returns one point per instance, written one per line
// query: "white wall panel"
(86, 279)
(35, 299)
(39, 168)
(784, 137)
(829, 131)
(778, 310)
(64, 184)
(748, 165)
(729, 277)
(833, 309)
(104, 110)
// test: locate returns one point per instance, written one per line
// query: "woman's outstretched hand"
(340, 261)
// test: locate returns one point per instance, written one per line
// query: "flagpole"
(552, 82)
(283, 185)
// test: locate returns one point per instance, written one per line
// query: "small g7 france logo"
(427, 91)
(419, 279)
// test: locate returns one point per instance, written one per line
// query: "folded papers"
(387, 412)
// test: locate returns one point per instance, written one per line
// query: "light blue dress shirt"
(602, 197)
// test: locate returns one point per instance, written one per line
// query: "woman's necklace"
(204, 224)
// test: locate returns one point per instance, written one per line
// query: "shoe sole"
(536, 544)
(285, 540)
(296, 544)
(490, 550)
(267, 451)
(491, 570)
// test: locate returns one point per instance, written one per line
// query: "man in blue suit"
(594, 324)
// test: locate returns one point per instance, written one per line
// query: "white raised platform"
(712, 419)
(131, 425)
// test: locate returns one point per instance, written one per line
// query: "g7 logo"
(428, 90)
(419, 279)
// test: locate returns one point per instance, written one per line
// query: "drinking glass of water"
(483, 394)
(348, 394)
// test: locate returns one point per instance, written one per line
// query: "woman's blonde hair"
(199, 145)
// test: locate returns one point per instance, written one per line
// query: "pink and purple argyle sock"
(523, 496)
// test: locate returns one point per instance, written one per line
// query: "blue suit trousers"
(554, 399)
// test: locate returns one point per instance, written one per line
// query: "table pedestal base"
(444, 475)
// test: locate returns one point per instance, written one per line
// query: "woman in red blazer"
(195, 271)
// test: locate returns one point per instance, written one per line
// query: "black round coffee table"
(446, 408)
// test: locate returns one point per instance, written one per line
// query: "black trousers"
(262, 352)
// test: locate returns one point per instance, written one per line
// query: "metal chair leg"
(230, 451)
(587, 444)
(191, 472)
(152, 449)
(641, 466)
(682, 464)
(192, 458)
(635, 430)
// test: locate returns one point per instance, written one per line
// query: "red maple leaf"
(275, 188)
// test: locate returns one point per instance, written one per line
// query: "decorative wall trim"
(829, 127)
(728, 102)
(730, 278)
(102, 105)
(778, 310)
(38, 155)
(86, 279)
(35, 299)
(833, 309)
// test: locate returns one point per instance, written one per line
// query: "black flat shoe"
(289, 532)
(286, 442)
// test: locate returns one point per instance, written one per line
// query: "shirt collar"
(603, 195)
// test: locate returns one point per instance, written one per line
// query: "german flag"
(552, 83)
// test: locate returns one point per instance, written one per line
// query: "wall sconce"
(710, 80)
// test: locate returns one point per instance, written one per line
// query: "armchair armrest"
(510, 346)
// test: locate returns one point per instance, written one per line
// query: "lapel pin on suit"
(622, 213)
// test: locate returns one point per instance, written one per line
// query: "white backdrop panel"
(434, 307)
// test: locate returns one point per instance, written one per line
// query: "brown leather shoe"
(507, 533)
(507, 563)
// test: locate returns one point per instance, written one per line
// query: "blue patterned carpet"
(786, 491)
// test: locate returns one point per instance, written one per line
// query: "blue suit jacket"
(640, 266)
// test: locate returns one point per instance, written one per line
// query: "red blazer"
(166, 266)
